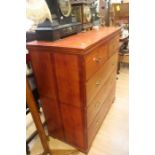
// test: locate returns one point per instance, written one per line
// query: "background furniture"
(119, 13)
(82, 11)
(76, 79)
(30, 36)
(123, 52)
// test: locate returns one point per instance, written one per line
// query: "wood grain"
(33, 109)
(69, 82)
(77, 44)
(53, 117)
(73, 125)
(43, 72)
(68, 79)
(95, 59)
(98, 80)
(100, 116)
(99, 99)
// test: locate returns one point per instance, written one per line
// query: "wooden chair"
(36, 117)
(123, 56)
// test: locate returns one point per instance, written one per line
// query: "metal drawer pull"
(98, 60)
(97, 104)
(97, 123)
(98, 83)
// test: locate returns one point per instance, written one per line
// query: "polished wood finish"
(72, 79)
(95, 59)
(33, 109)
(45, 78)
(68, 76)
(73, 121)
(76, 44)
(43, 69)
(92, 130)
(98, 80)
(100, 98)
(52, 115)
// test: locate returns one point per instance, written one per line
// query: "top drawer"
(113, 45)
(95, 59)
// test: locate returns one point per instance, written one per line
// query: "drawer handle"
(98, 83)
(97, 123)
(98, 60)
(97, 104)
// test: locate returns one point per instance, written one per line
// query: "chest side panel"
(69, 81)
(45, 77)
(70, 85)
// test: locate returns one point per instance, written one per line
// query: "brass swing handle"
(97, 60)
(97, 104)
(98, 83)
(97, 123)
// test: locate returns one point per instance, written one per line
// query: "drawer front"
(113, 45)
(98, 80)
(95, 59)
(97, 102)
(93, 129)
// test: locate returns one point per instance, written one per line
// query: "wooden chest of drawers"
(76, 79)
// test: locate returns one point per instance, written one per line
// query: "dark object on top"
(63, 23)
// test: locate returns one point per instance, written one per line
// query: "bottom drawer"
(100, 98)
(92, 130)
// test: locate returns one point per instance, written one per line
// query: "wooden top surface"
(81, 41)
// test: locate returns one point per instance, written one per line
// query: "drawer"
(113, 45)
(94, 84)
(97, 102)
(93, 129)
(95, 59)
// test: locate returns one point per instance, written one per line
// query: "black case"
(60, 27)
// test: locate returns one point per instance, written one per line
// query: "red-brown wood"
(92, 130)
(73, 125)
(53, 118)
(77, 43)
(65, 78)
(95, 59)
(44, 72)
(99, 79)
(68, 79)
(98, 100)
(35, 115)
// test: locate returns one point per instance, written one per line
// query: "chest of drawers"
(76, 79)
